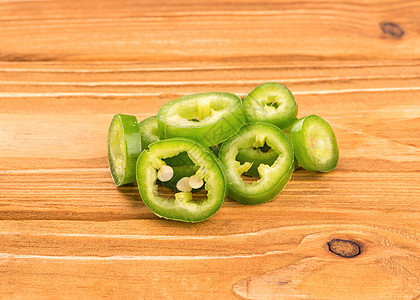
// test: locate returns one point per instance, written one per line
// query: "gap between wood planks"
(343, 91)
(118, 69)
(135, 258)
(200, 82)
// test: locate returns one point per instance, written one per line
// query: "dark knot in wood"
(392, 29)
(344, 248)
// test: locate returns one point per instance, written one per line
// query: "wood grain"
(185, 30)
(66, 67)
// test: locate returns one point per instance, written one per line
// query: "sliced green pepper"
(208, 118)
(287, 133)
(124, 146)
(181, 164)
(149, 134)
(149, 131)
(315, 144)
(271, 102)
(183, 207)
(272, 178)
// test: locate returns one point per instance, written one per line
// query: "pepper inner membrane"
(253, 154)
(265, 148)
(200, 110)
(183, 166)
(272, 101)
(117, 149)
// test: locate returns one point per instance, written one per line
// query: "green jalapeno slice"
(271, 102)
(181, 164)
(272, 178)
(124, 146)
(208, 118)
(182, 207)
(287, 133)
(149, 131)
(315, 144)
(261, 155)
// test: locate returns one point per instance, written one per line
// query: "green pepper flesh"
(209, 167)
(315, 144)
(272, 103)
(181, 163)
(272, 178)
(124, 146)
(149, 131)
(208, 118)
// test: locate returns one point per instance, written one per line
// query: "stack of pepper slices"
(209, 145)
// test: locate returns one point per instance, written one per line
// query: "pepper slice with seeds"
(181, 165)
(183, 206)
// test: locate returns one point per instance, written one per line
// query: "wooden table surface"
(66, 67)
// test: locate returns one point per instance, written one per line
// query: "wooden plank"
(217, 30)
(61, 213)
(388, 258)
(67, 232)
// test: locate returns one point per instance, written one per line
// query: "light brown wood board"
(66, 67)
